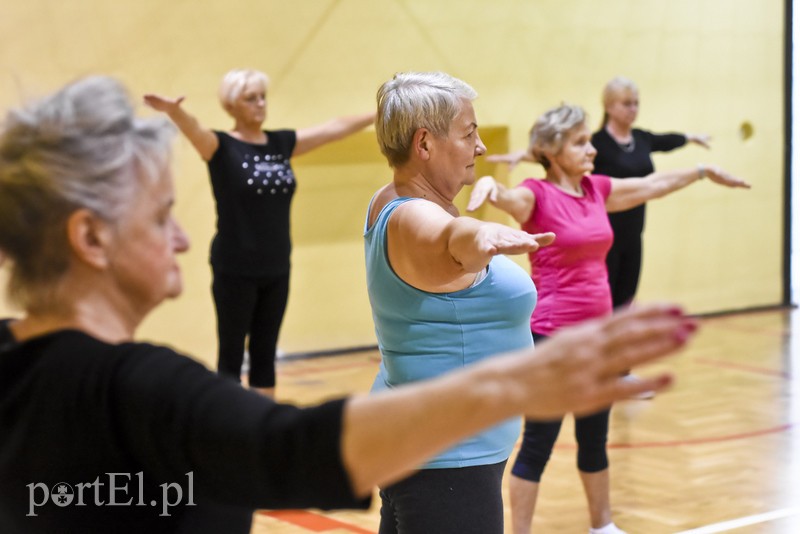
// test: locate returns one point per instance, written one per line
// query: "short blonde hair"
(414, 100)
(549, 132)
(612, 90)
(234, 82)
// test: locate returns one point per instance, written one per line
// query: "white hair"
(414, 100)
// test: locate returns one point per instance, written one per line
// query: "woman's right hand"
(163, 104)
(485, 187)
(494, 239)
(512, 159)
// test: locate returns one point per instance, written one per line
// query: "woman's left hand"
(722, 177)
(704, 140)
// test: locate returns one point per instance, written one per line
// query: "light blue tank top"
(422, 335)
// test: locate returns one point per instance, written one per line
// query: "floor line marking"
(312, 521)
(743, 521)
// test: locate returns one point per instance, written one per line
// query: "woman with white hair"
(102, 433)
(572, 279)
(253, 184)
(443, 294)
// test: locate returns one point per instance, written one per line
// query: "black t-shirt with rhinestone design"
(253, 187)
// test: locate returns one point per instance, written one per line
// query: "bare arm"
(630, 192)
(202, 139)
(578, 370)
(518, 202)
(512, 159)
(704, 140)
(432, 250)
(315, 136)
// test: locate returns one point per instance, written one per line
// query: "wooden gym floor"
(720, 452)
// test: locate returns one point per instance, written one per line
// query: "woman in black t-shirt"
(253, 185)
(625, 152)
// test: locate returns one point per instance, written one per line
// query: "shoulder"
(599, 182)
(7, 340)
(149, 358)
(281, 136)
(531, 183)
(534, 185)
(413, 209)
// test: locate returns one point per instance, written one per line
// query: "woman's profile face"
(453, 157)
(147, 238)
(576, 157)
(624, 107)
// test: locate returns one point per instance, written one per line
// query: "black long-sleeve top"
(627, 162)
(84, 424)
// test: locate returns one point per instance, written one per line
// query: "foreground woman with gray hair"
(101, 432)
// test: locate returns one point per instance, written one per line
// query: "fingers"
(643, 335)
(722, 177)
(511, 241)
(497, 158)
(617, 389)
(545, 238)
(477, 199)
(484, 188)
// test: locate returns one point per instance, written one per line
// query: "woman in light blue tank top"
(443, 295)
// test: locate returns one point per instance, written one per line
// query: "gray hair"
(234, 82)
(414, 100)
(551, 130)
(612, 90)
(78, 148)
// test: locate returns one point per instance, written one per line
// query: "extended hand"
(512, 159)
(580, 368)
(722, 177)
(160, 103)
(704, 140)
(484, 188)
(494, 239)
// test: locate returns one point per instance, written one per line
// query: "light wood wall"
(701, 65)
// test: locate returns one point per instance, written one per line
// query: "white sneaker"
(645, 395)
(610, 528)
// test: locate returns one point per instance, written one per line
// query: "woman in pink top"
(572, 279)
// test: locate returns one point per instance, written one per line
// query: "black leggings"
(591, 433)
(624, 262)
(254, 307)
(462, 500)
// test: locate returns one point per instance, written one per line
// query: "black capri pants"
(624, 262)
(254, 307)
(463, 500)
(538, 439)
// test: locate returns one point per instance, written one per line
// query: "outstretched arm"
(579, 369)
(432, 250)
(202, 139)
(518, 202)
(315, 136)
(512, 159)
(704, 140)
(631, 192)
